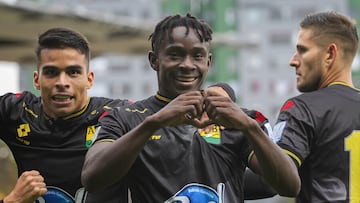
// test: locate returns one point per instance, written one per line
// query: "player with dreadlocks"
(154, 147)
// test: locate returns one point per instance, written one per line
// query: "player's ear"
(90, 78)
(36, 80)
(331, 54)
(153, 60)
(209, 59)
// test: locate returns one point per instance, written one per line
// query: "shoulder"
(134, 109)
(25, 96)
(108, 102)
(255, 114)
(316, 99)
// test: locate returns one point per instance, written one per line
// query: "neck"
(340, 75)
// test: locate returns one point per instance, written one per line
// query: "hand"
(185, 108)
(223, 111)
(206, 124)
(29, 186)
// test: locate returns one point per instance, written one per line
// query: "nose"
(187, 62)
(62, 81)
(294, 61)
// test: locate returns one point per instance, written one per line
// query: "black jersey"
(320, 131)
(178, 164)
(56, 148)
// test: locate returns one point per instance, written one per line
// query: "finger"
(38, 178)
(200, 124)
(30, 173)
(195, 109)
(43, 191)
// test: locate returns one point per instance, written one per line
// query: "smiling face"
(182, 62)
(63, 80)
(308, 62)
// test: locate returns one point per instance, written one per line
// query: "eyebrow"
(56, 67)
(196, 48)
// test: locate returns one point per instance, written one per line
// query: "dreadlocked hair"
(163, 29)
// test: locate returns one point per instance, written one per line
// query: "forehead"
(305, 37)
(61, 57)
(182, 32)
(183, 35)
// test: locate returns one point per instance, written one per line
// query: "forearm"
(107, 163)
(255, 186)
(274, 165)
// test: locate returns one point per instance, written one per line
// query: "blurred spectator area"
(21, 25)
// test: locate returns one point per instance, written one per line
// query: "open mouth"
(62, 98)
(186, 79)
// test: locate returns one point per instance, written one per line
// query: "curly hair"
(163, 29)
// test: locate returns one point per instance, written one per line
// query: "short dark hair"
(227, 88)
(61, 38)
(163, 29)
(333, 26)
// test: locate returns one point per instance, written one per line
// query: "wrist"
(151, 123)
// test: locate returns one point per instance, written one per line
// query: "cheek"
(45, 85)
(81, 87)
(164, 73)
(308, 65)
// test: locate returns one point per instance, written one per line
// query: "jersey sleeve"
(294, 130)
(6, 105)
(261, 120)
(10, 104)
(110, 126)
(263, 123)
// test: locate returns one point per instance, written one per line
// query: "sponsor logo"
(57, 195)
(23, 130)
(195, 193)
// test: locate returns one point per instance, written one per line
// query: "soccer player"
(319, 129)
(154, 145)
(49, 135)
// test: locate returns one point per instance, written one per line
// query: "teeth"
(186, 79)
(62, 98)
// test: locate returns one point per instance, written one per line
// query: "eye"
(173, 55)
(50, 72)
(74, 72)
(198, 56)
(301, 49)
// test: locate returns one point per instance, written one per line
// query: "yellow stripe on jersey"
(292, 155)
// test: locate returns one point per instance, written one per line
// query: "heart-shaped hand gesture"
(197, 108)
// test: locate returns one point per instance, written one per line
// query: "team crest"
(90, 132)
(213, 136)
